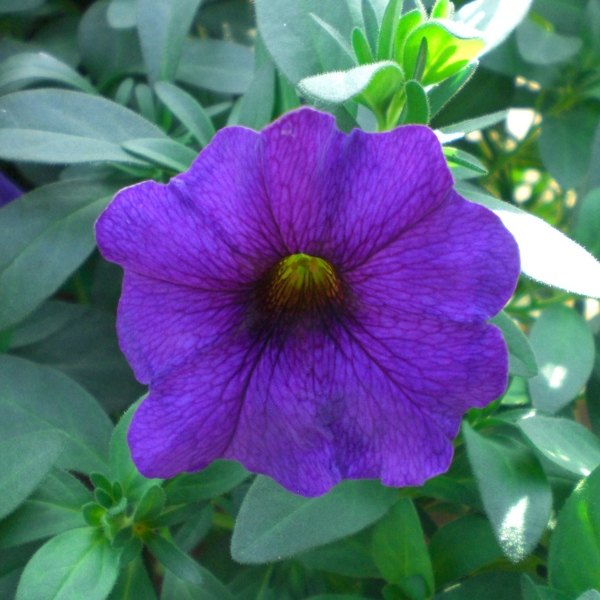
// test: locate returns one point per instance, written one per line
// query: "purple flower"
(309, 303)
(8, 190)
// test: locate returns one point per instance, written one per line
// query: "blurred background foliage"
(517, 515)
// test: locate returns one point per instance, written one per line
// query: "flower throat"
(300, 283)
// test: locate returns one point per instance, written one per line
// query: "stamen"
(300, 283)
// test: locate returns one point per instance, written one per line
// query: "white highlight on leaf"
(554, 374)
(547, 254)
(512, 530)
(493, 19)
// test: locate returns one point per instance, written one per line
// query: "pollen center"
(301, 283)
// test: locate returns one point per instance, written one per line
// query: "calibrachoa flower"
(8, 190)
(309, 303)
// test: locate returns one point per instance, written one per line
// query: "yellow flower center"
(301, 283)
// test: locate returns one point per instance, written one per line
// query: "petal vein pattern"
(367, 382)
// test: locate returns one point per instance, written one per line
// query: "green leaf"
(399, 546)
(499, 586)
(588, 222)
(24, 461)
(515, 492)
(447, 52)
(546, 253)
(273, 523)
(216, 65)
(62, 127)
(47, 234)
(258, 102)
(107, 53)
(409, 22)
(389, 26)
(163, 26)
(133, 583)
(122, 469)
(539, 46)
(175, 560)
(92, 514)
(574, 560)
(350, 557)
(477, 124)
(188, 110)
(53, 508)
(165, 153)
(145, 102)
(151, 504)
(441, 10)
(566, 443)
(73, 413)
(10, 6)
(590, 595)
(31, 67)
(12, 562)
(463, 159)
(334, 34)
(566, 145)
(122, 14)
(361, 47)
(462, 547)
(339, 87)
(417, 107)
(564, 347)
(86, 349)
(528, 589)
(210, 589)
(220, 477)
(442, 93)
(76, 564)
(493, 20)
(521, 357)
(45, 321)
(371, 21)
(298, 48)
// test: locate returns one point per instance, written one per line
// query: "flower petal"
(161, 324)
(459, 262)
(316, 407)
(209, 227)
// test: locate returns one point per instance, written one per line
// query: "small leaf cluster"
(396, 61)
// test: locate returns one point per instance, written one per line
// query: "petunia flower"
(8, 190)
(309, 303)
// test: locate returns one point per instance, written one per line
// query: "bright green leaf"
(389, 26)
(417, 107)
(574, 560)
(447, 53)
(410, 21)
(361, 47)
